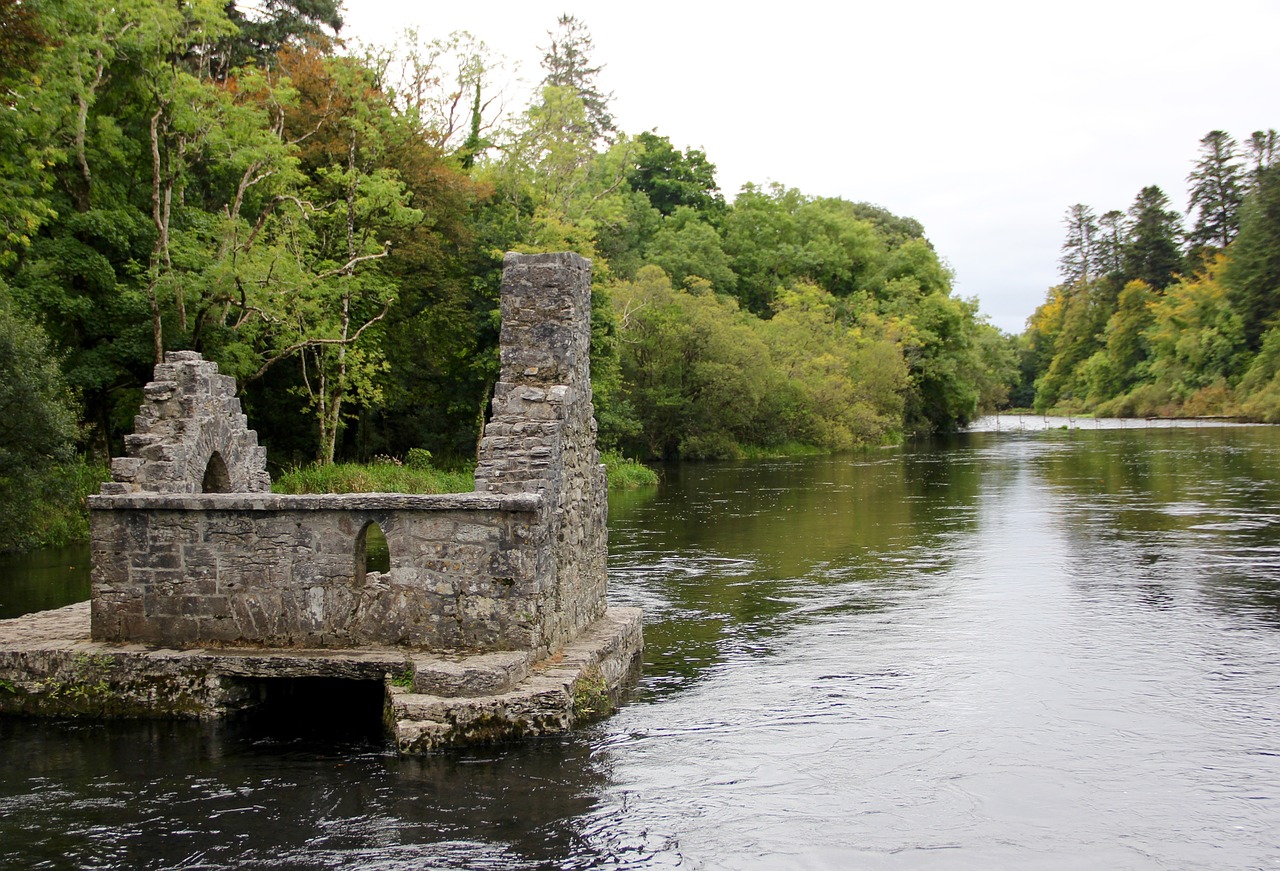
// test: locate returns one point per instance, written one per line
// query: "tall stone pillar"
(542, 434)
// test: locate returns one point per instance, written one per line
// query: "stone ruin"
(190, 436)
(491, 620)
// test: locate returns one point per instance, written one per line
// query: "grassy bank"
(627, 474)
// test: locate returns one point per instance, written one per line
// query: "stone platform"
(49, 666)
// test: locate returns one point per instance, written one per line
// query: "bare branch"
(315, 343)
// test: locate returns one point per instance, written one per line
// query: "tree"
(1112, 235)
(448, 86)
(1215, 193)
(37, 424)
(1127, 346)
(1153, 253)
(567, 62)
(1252, 275)
(671, 179)
(686, 247)
(272, 25)
(1264, 147)
(1080, 250)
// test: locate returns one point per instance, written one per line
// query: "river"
(1034, 650)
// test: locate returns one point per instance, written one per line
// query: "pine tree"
(1153, 253)
(567, 62)
(1215, 193)
(1080, 250)
(1253, 273)
(1113, 236)
(1264, 147)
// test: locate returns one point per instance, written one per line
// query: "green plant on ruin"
(85, 679)
(591, 694)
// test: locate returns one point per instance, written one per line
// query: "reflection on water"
(42, 580)
(1040, 650)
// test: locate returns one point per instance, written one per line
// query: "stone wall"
(518, 564)
(288, 571)
(190, 436)
(542, 434)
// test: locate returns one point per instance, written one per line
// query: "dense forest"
(327, 222)
(1155, 319)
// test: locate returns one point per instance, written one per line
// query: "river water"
(1032, 650)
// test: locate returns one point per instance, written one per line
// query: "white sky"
(983, 120)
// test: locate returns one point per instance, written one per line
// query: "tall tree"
(1215, 193)
(1253, 272)
(671, 179)
(1080, 250)
(1264, 147)
(567, 62)
(1153, 253)
(270, 25)
(1112, 236)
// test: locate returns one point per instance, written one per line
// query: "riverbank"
(1032, 422)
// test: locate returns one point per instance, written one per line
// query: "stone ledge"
(48, 666)
(480, 501)
(583, 682)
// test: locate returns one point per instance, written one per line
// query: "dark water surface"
(1009, 650)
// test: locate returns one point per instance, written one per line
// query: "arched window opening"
(216, 477)
(373, 555)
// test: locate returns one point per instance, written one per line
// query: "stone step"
(483, 674)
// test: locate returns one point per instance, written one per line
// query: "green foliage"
(390, 477)
(687, 247)
(42, 482)
(1253, 273)
(625, 473)
(1169, 343)
(670, 179)
(418, 459)
(198, 176)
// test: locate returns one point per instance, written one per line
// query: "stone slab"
(50, 667)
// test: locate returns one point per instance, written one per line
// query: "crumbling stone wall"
(517, 565)
(190, 435)
(287, 571)
(542, 434)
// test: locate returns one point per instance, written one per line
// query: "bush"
(39, 472)
(627, 474)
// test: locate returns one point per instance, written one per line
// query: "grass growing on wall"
(415, 475)
(384, 477)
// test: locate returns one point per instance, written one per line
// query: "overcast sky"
(983, 120)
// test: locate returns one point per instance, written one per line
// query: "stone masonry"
(494, 604)
(518, 564)
(189, 436)
(542, 435)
